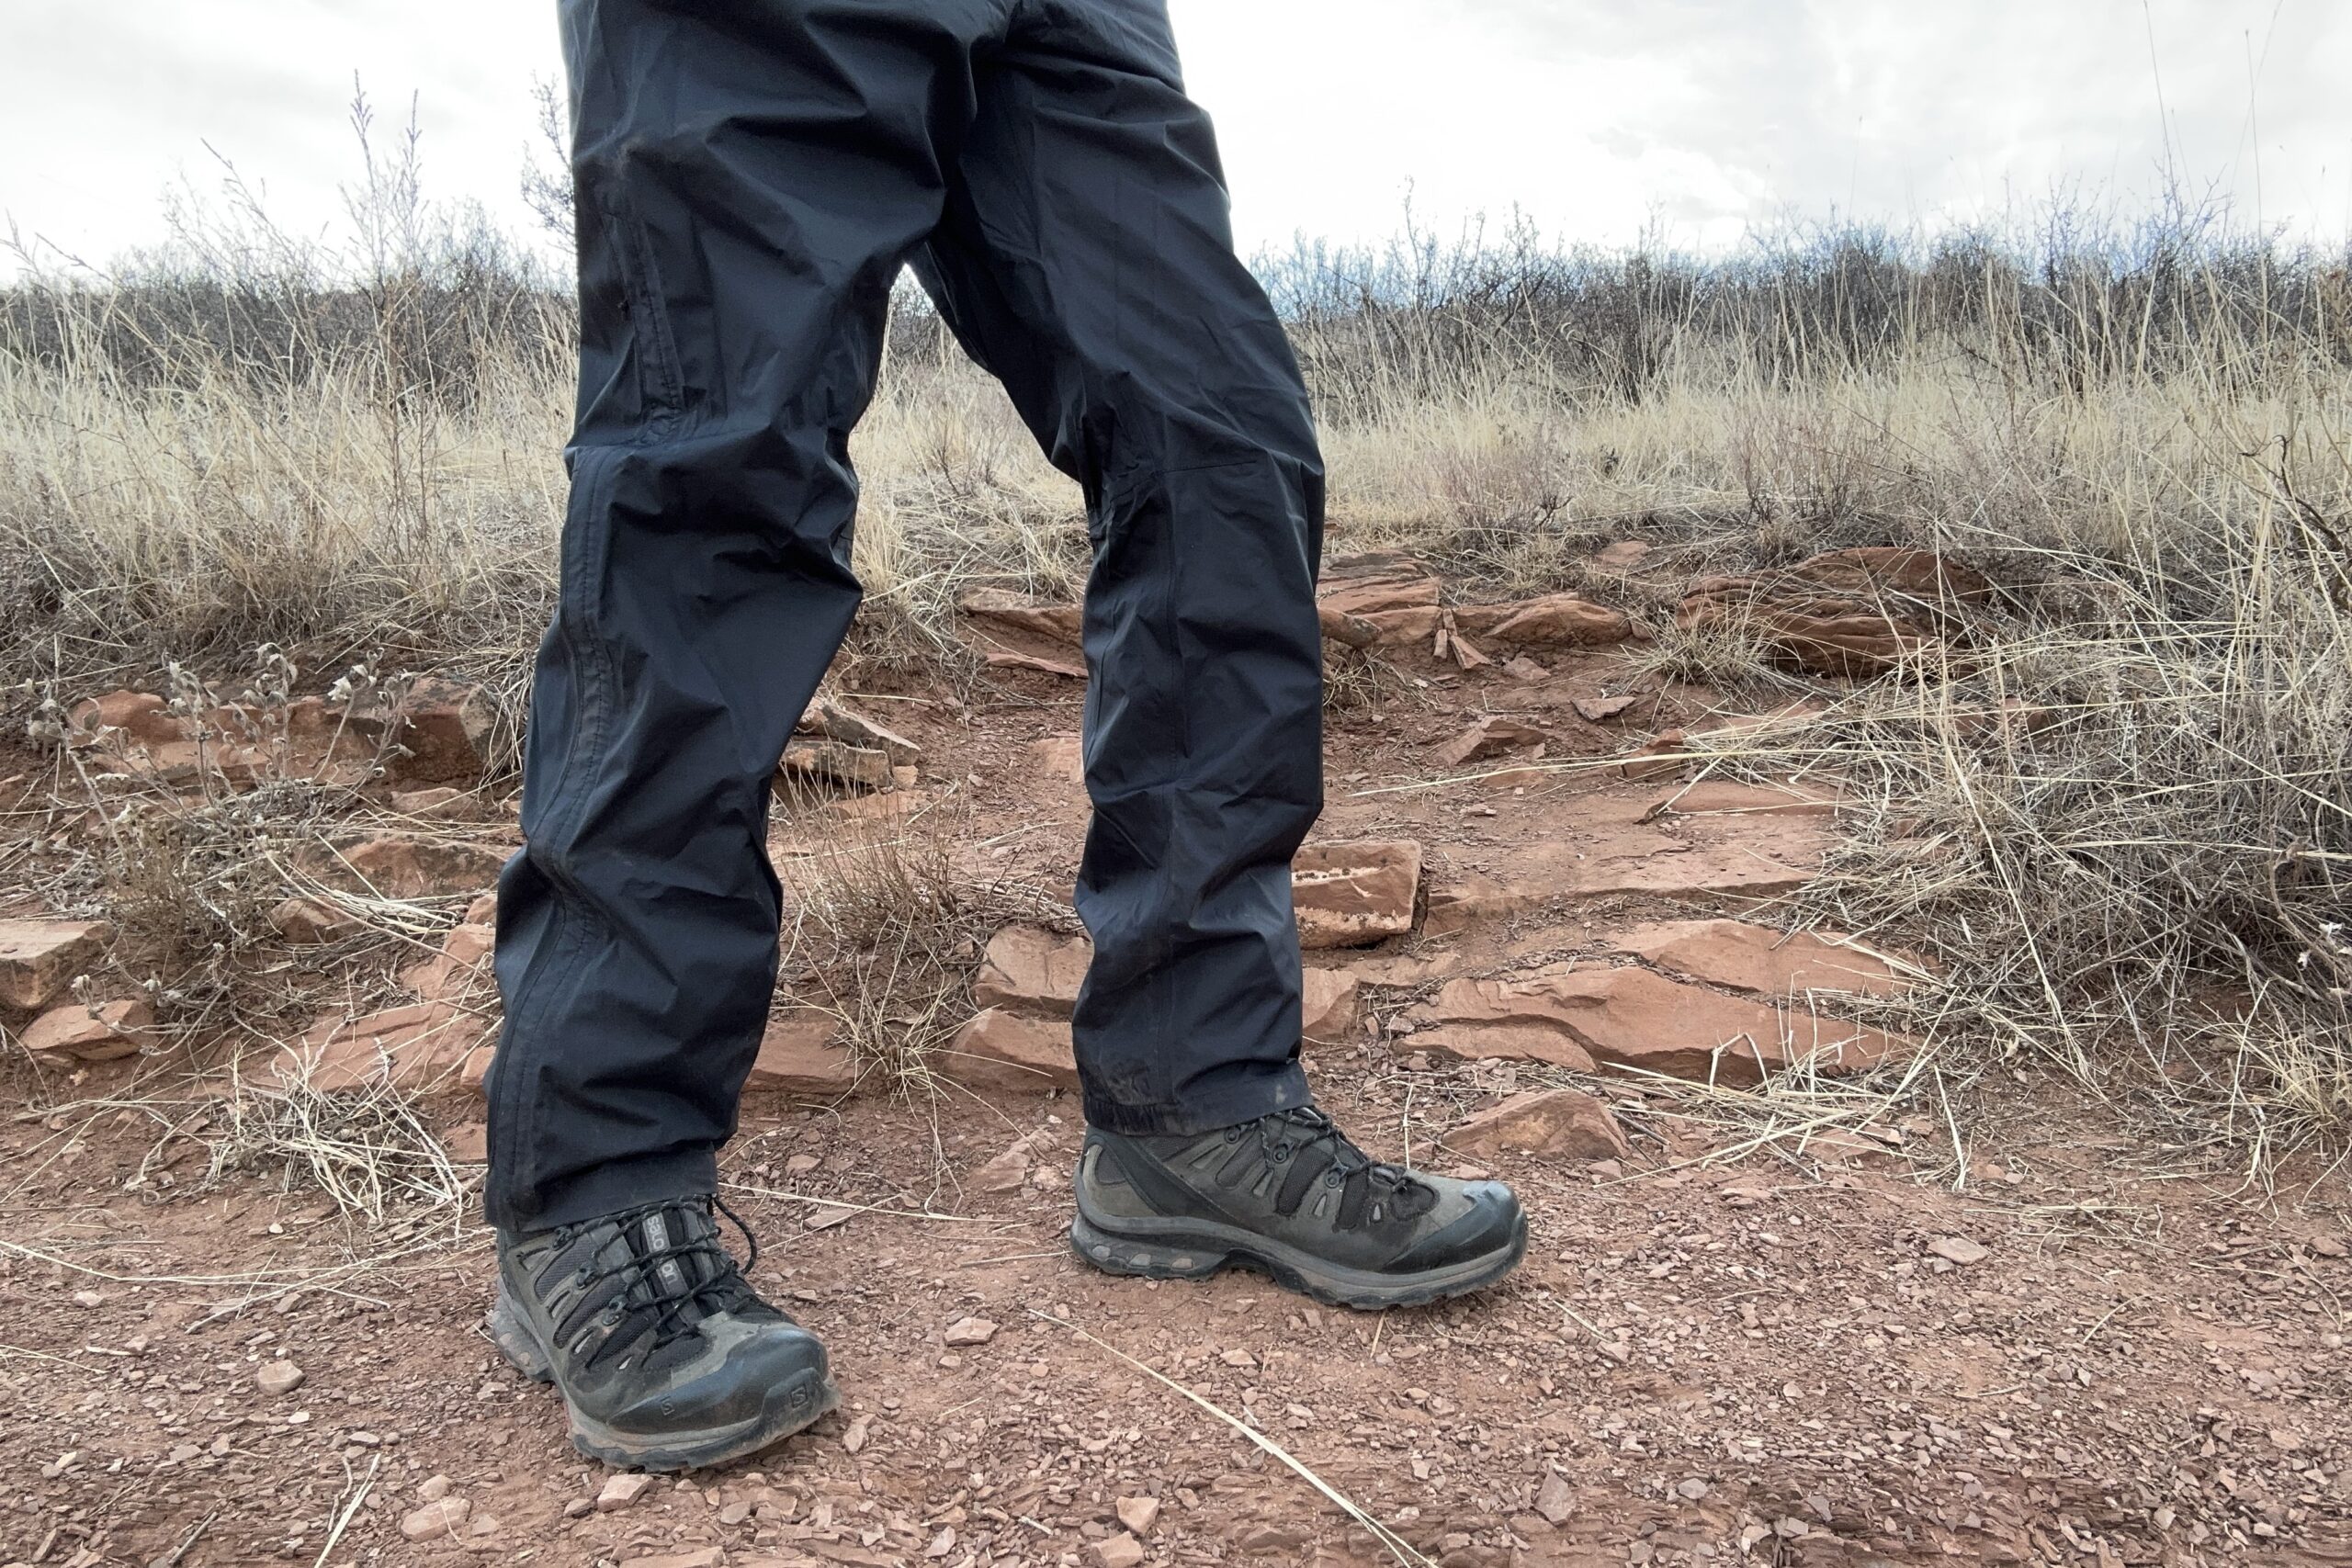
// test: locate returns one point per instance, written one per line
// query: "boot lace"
(706, 1281)
(1393, 1191)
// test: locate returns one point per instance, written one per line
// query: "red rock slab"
(1007, 1049)
(1564, 1122)
(409, 866)
(39, 958)
(1030, 969)
(452, 974)
(1331, 1006)
(1640, 1020)
(1488, 735)
(998, 608)
(1370, 584)
(112, 1030)
(1762, 961)
(142, 717)
(1711, 796)
(835, 722)
(419, 1046)
(1059, 758)
(801, 1054)
(1352, 895)
(1851, 611)
(1499, 1041)
(1553, 620)
(443, 729)
(1758, 859)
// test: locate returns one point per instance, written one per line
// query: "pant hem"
(616, 1185)
(1226, 1106)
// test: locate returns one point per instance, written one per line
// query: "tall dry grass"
(2139, 431)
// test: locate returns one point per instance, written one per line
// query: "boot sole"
(1194, 1249)
(790, 1407)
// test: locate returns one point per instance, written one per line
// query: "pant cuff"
(607, 1188)
(1236, 1098)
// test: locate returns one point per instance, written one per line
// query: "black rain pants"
(749, 176)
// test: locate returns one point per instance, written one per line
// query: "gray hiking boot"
(665, 1356)
(1290, 1195)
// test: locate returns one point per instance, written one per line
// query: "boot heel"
(506, 1330)
(1150, 1259)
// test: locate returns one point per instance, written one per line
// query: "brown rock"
(968, 1331)
(1331, 1005)
(473, 1073)
(1758, 959)
(39, 958)
(1564, 1122)
(468, 1144)
(801, 1054)
(1030, 969)
(830, 761)
(1010, 659)
(1061, 758)
(441, 800)
(1526, 671)
(835, 722)
(1554, 620)
(1722, 797)
(997, 610)
(1640, 1020)
(1846, 612)
(435, 1520)
(1601, 710)
(1371, 583)
(711, 1557)
(1351, 894)
(444, 725)
(409, 866)
(1622, 555)
(1138, 1514)
(140, 716)
(1121, 1550)
(114, 1029)
(312, 922)
(483, 911)
(621, 1489)
(1004, 1050)
(419, 1046)
(1007, 1172)
(1555, 1499)
(1488, 735)
(1665, 754)
(278, 1378)
(452, 974)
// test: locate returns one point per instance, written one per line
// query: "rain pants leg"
(750, 178)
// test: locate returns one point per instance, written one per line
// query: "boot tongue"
(674, 1277)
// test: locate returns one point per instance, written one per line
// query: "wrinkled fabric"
(750, 179)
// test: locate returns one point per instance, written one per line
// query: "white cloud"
(1595, 117)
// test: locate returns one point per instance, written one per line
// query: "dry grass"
(2141, 434)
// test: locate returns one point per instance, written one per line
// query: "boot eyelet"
(1281, 1153)
(1232, 1134)
(1335, 1179)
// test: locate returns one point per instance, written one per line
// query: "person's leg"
(748, 179)
(1085, 258)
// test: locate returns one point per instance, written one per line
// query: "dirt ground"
(2061, 1339)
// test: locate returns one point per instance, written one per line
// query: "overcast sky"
(1702, 119)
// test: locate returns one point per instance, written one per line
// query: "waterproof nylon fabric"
(750, 179)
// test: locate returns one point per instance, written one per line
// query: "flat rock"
(142, 717)
(457, 970)
(1059, 758)
(435, 1520)
(1601, 710)
(1713, 797)
(1138, 1514)
(112, 1030)
(1553, 620)
(621, 1489)
(833, 762)
(999, 609)
(1376, 581)
(1352, 895)
(278, 1378)
(1639, 1020)
(39, 958)
(468, 1144)
(1121, 1550)
(1007, 1172)
(968, 1331)
(410, 865)
(1564, 1122)
(829, 718)
(1852, 612)
(312, 922)
(801, 1053)
(1031, 969)
(443, 727)
(1488, 735)
(1621, 555)
(1331, 1005)
(419, 1046)
(1760, 960)
(1005, 1050)
(700, 1557)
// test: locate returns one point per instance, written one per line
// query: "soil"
(2063, 1339)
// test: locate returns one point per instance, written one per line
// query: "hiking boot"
(1290, 1195)
(665, 1356)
